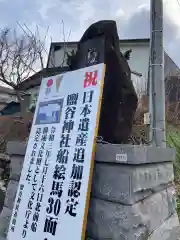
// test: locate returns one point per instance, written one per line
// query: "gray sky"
(132, 18)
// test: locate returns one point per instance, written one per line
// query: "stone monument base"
(133, 193)
(132, 198)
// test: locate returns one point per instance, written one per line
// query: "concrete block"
(109, 220)
(16, 167)
(5, 217)
(129, 183)
(133, 154)
(16, 148)
(169, 230)
(11, 194)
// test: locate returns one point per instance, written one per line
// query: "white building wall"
(59, 58)
(138, 62)
(139, 58)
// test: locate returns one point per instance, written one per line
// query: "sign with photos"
(53, 194)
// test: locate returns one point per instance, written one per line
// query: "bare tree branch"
(65, 43)
(20, 55)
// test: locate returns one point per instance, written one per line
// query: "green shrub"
(173, 140)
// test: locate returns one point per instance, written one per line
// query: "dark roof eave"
(35, 80)
(146, 40)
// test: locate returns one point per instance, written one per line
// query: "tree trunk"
(24, 101)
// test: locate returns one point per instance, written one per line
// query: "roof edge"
(121, 40)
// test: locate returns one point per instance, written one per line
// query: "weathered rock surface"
(11, 194)
(128, 183)
(170, 230)
(109, 220)
(4, 221)
(16, 167)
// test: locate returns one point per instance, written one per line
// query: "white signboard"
(53, 194)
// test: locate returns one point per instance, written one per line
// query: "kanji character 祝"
(90, 78)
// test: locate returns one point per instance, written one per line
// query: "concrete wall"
(132, 193)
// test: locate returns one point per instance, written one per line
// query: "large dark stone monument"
(100, 44)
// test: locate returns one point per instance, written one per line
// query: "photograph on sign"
(53, 194)
(49, 112)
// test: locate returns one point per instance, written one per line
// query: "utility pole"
(157, 133)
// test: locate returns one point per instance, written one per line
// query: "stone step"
(108, 220)
(128, 184)
(133, 154)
